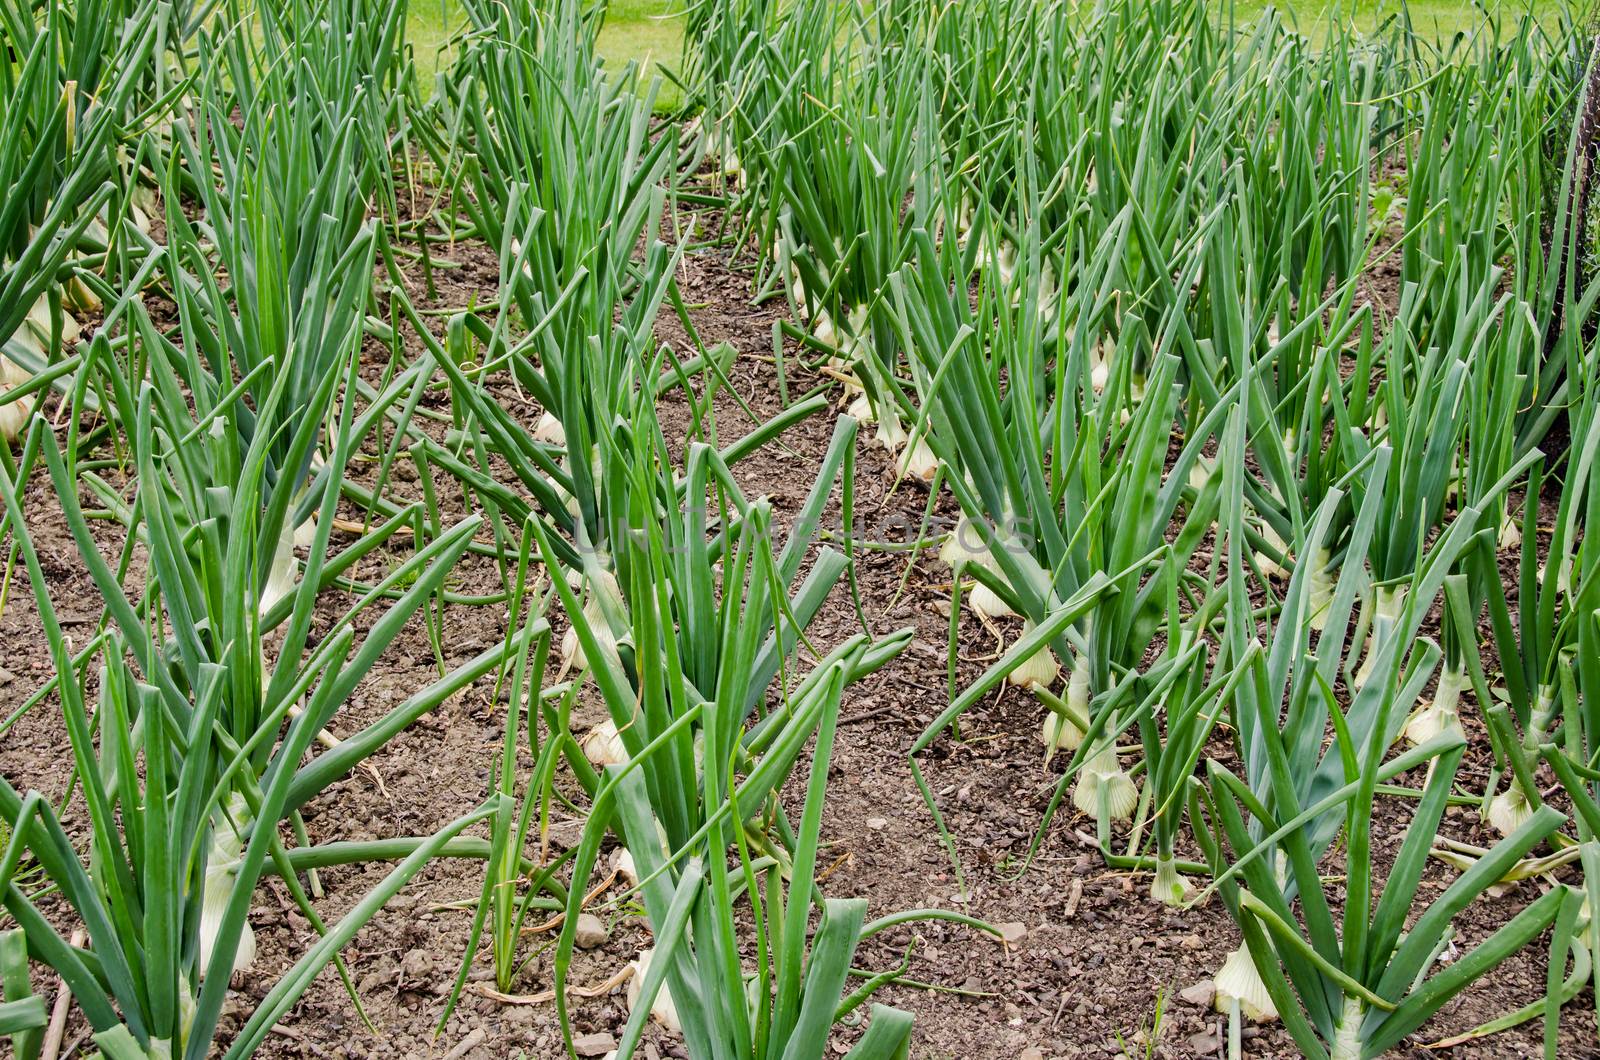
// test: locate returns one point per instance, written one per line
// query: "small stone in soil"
(1012, 933)
(1201, 993)
(591, 931)
(594, 1044)
(1204, 1044)
(416, 965)
(877, 824)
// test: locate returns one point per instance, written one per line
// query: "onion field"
(968, 529)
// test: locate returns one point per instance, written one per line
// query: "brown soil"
(1098, 966)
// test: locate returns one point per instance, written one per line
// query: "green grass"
(650, 32)
(1446, 16)
(646, 32)
(429, 29)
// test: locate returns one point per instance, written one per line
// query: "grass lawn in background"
(1445, 16)
(650, 32)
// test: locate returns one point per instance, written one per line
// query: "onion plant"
(69, 80)
(1060, 484)
(705, 624)
(1137, 329)
(22, 1012)
(1105, 273)
(1361, 986)
(1423, 431)
(581, 500)
(720, 41)
(783, 69)
(708, 574)
(565, 182)
(1356, 984)
(1533, 635)
(847, 184)
(565, 148)
(201, 670)
(1290, 694)
(349, 60)
(1539, 625)
(272, 283)
(505, 905)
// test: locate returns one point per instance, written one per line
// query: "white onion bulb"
(988, 603)
(626, 867)
(860, 409)
(890, 434)
(1169, 886)
(283, 576)
(1509, 810)
(222, 863)
(1390, 602)
(1200, 474)
(572, 653)
(662, 1009)
(1062, 733)
(1039, 669)
(823, 330)
(15, 414)
(1102, 776)
(603, 746)
(966, 546)
(39, 322)
(305, 535)
(1510, 533)
(1238, 980)
(963, 545)
(549, 430)
(1319, 589)
(919, 462)
(1441, 715)
(1270, 567)
(1099, 367)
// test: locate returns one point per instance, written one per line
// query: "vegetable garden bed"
(1184, 555)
